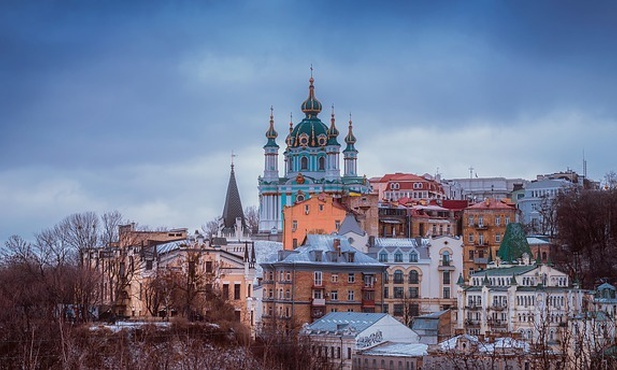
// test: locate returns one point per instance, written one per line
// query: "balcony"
(498, 324)
(317, 313)
(472, 323)
(368, 287)
(498, 307)
(445, 266)
(368, 303)
(318, 302)
(480, 261)
(482, 226)
(473, 307)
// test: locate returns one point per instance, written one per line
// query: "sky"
(137, 106)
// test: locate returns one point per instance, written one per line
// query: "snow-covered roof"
(333, 321)
(397, 350)
(350, 225)
(486, 346)
(536, 241)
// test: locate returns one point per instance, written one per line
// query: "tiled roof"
(489, 203)
(358, 320)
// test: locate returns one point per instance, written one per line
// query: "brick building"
(324, 275)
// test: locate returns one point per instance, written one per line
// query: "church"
(311, 165)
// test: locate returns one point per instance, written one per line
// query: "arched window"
(446, 258)
(322, 163)
(398, 277)
(413, 277)
(304, 163)
(413, 257)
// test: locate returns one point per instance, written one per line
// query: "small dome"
(311, 106)
(350, 139)
(271, 133)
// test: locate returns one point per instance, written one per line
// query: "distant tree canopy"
(587, 234)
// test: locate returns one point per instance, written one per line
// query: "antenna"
(471, 172)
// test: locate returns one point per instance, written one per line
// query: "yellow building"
(484, 225)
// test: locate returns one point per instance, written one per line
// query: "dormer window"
(413, 257)
(417, 185)
(318, 256)
(395, 186)
(398, 257)
(351, 256)
(383, 257)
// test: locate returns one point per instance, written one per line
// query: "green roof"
(514, 243)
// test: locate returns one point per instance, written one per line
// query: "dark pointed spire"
(233, 206)
(350, 139)
(460, 280)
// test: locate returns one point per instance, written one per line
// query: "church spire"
(232, 210)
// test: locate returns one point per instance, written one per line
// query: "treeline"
(586, 243)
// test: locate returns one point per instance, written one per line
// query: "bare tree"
(251, 215)
(211, 228)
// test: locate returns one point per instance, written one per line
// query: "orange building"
(484, 225)
(321, 214)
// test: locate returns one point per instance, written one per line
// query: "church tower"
(232, 224)
(350, 154)
(312, 165)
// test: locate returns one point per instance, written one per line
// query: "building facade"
(484, 226)
(324, 275)
(421, 274)
(311, 165)
(320, 214)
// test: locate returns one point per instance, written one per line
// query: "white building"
(532, 300)
(339, 335)
(479, 188)
(536, 205)
(421, 274)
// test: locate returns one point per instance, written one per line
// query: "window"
(398, 292)
(398, 257)
(148, 264)
(413, 257)
(287, 294)
(350, 295)
(471, 238)
(334, 295)
(398, 277)
(321, 208)
(322, 163)
(351, 278)
(481, 239)
(236, 291)
(294, 225)
(398, 310)
(306, 209)
(413, 292)
(225, 291)
(446, 277)
(386, 293)
(471, 254)
(334, 278)
(507, 220)
(288, 276)
(445, 259)
(497, 238)
(497, 221)
(413, 277)
(317, 294)
(383, 257)
(480, 221)
(337, 224)
(317, 278)
(470, 221)
(446, 292)
(303, 163)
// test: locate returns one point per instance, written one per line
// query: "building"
(484, 225)
(478, 352)
(340, 335)
(518, 296)
(434, 327)
(312, 165)
(366, 211)
(414, 188)
(324, 275)
(475, 189)
(537, 209)
(320, 214)
(391, 355)
(420, 276)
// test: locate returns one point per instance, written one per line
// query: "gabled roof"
(350, 225)
(358, 320)
(489, 203)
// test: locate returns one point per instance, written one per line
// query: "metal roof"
(358, 320)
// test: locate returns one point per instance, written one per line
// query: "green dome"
(271, 134)
(311, 106)
(310, 132)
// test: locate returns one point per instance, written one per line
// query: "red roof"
(489, 203)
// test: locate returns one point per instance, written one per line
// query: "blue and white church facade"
(312, 165)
